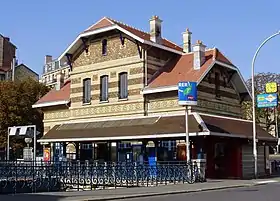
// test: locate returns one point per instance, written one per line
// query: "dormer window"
(104, 47)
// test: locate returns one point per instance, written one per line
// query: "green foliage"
(264, 116)
(16, 100)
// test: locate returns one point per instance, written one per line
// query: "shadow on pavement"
(30, 197)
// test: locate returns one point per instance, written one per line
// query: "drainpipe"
(145, 81)
(146, 67)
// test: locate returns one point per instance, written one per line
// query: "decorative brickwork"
(94, 77)
(113, 74)
(138, 70)
(76, 80)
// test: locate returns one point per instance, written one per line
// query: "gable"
(107, 24)
(93, 53)
(224, 88)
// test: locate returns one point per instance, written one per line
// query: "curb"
(122, 197)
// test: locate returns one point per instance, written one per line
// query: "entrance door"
(219, 160)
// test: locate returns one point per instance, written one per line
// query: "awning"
(154, 127)
(137, 128)
(232, 127)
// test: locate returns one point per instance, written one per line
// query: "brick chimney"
(187, 41)
(198, 54)
(59, 80)
(155, 29)
(48, 59)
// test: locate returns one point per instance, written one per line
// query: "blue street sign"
(267, 100)
(187, 93)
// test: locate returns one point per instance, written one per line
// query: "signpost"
(271, 87)
(187, 95)
(270, 99)
(267, 100)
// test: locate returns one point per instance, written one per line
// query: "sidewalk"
(122, 193)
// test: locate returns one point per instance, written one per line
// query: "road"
(268, 192)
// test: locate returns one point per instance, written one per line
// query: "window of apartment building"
(2, 77)
(217, 85)
(86, 90)
(104, 88)
(123, 86)
(104, 47)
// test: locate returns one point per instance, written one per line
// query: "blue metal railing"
(19, 176)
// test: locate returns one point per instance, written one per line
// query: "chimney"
(59, 81)
(7, 38)
(48, 59)
(155, 29)
(187, 37)
(199, 54)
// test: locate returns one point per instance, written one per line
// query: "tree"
(16, 100)
(264, 116)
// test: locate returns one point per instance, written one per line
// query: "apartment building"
(52, 68)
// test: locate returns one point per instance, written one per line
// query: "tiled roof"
(54, 95)
(181, 68)
(105, 22)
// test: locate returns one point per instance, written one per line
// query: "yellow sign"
(271, 87)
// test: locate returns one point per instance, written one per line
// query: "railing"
(17, 177)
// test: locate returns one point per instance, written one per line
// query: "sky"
(237, 28)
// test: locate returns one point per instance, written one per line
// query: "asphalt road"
(268, 192)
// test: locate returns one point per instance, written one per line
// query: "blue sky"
(235, 27)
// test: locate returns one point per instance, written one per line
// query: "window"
(217, 85)
(104, 88)
(123, 93)
(2, 77)
(86, 90)
(104, 47)
(225, 81)
(171, 145)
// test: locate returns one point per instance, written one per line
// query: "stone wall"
(132, 65)
(115, 50)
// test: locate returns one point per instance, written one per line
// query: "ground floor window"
(71, 152)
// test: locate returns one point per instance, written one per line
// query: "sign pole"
(187, 135)
(35, 141)
(8, 146)
(187, 95)
(276, 128)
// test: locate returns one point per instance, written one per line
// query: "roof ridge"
(98, 22)
(119, 22)
(171, 42)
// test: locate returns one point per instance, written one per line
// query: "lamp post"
(253, 101)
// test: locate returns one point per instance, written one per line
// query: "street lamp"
(253, 100)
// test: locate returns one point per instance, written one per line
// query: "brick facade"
(7, 53)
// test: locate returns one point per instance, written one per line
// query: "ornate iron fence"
(17, 177)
